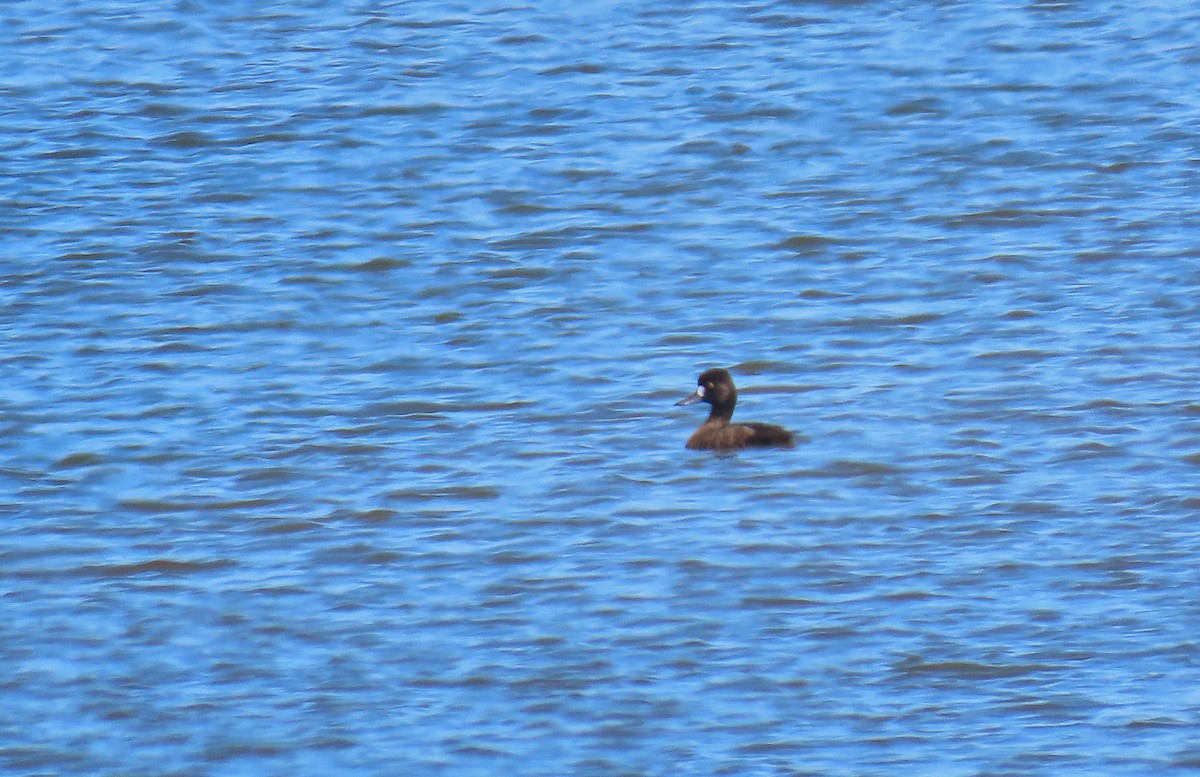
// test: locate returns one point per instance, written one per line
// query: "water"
(340, 347)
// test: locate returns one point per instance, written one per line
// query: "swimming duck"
(715, 387)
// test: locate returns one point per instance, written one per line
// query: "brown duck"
(715, 387)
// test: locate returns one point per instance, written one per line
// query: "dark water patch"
(521, 39)
(288, 527)
(849, 468)
(78, 152)
(186, 140)
(357, 554)
(1092, 450)
(1020, 355)
(525, 209)
(158, 506)
(179, 348)
(806, 244)
(581, 68)
(819, 294)
(278, 136)
(79, 459)
(913, 666)
(155, 568)
(882, 323)
(450, 494)
(379, 264)
(260, 476)
(520, 274)
(403, 110)
(922, 106)
(778, 602)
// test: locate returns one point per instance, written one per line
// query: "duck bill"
(691, 400)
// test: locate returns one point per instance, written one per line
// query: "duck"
(719, 433)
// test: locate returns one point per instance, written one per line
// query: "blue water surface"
(340, 343)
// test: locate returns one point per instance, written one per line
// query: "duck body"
(719, 433)
(731, 437)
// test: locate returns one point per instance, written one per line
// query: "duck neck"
(721, 414)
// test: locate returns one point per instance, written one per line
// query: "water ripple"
(342, 344)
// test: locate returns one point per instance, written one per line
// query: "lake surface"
(340, 343)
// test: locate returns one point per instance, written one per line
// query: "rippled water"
(340, 347)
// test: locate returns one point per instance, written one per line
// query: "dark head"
(715, 387)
